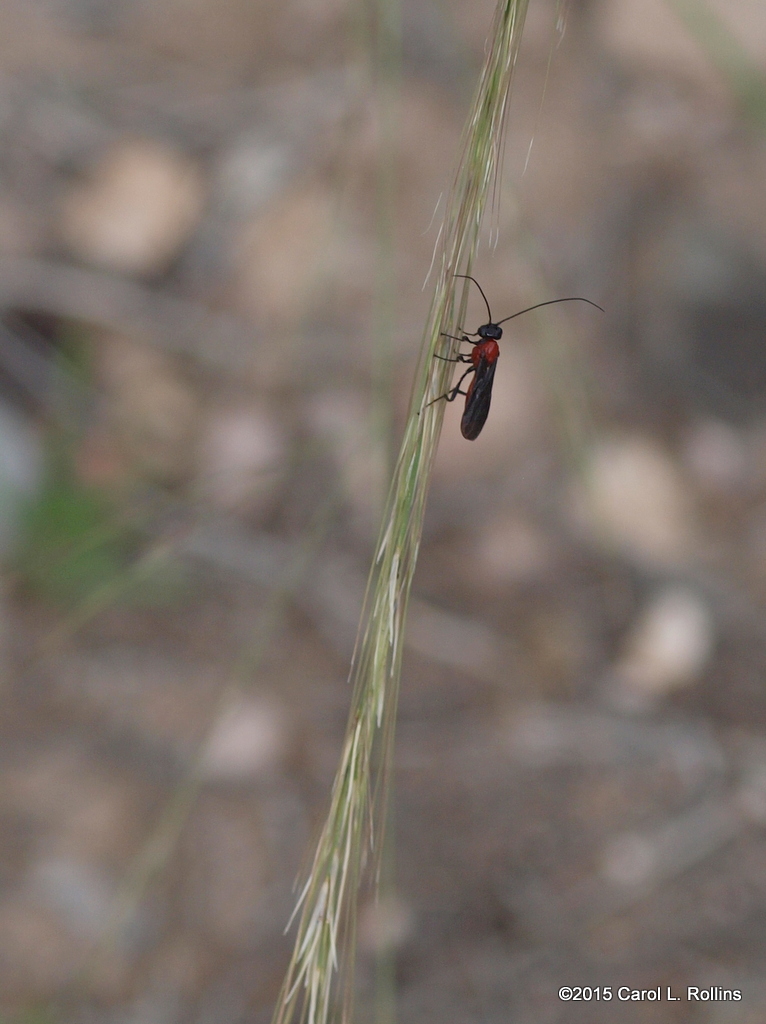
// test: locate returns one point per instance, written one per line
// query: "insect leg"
(463, 337)
(458, 359)
(452, 394)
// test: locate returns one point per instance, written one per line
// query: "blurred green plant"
(82, 553)
(72, 542)
(35, 1014)
(80, 543)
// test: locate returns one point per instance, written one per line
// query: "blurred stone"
(635, 498)
(716, 454)
(249, 173)
(139, 208)
(153, 409)
(284, 254)
(21, 470)
(675, 845)
(385, 924)
(667, 648)
(629, 860)
(78, 893)
(248, 739)
(242, 456)
(297, 252)
(162, 1005)
(510, 550)
(561, 643)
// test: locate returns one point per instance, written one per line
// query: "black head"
(490, 332)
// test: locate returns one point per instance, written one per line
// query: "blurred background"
(216, 221)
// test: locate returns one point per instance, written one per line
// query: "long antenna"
(469, 278)
(550, 302)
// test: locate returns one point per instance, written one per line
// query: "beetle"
(483, 359)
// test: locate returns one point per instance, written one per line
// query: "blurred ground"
(212, 304)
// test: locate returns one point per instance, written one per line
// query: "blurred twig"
(42, 379)
(177, 325)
